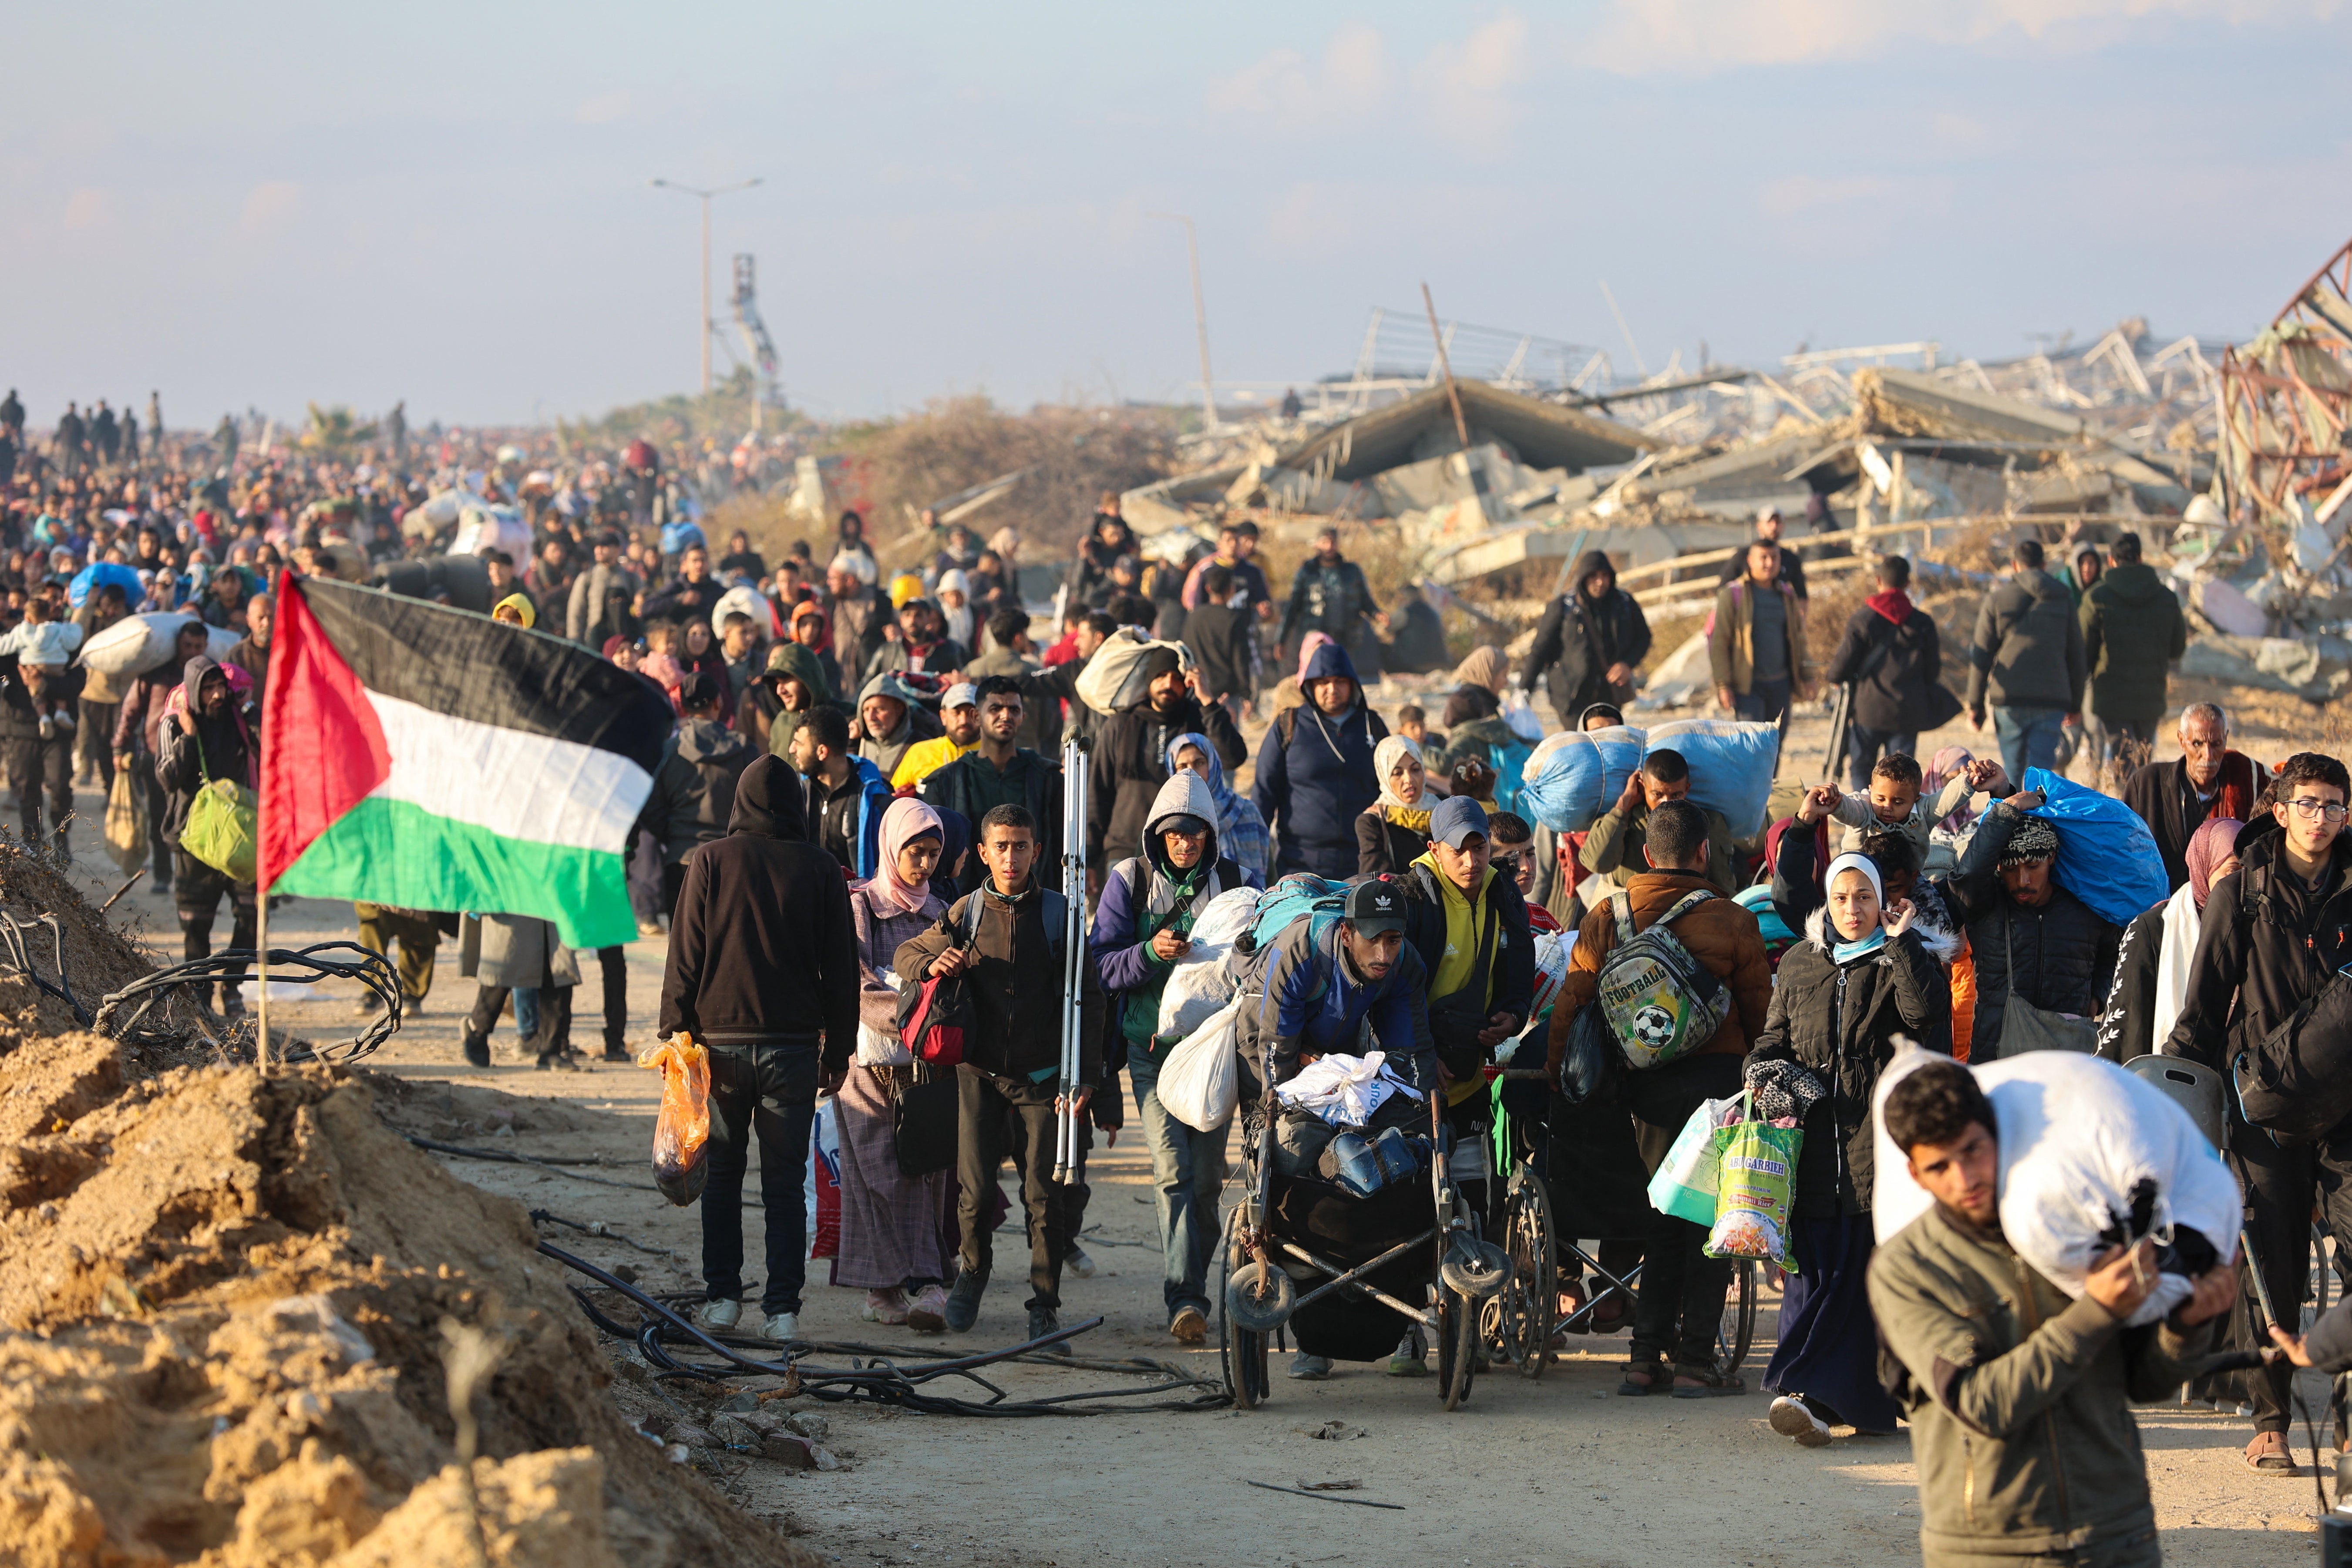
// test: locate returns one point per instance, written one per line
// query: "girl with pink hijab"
(897, 1232)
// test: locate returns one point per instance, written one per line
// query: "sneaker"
(964, 1301)
(927, 1312)
(1408, 1361)
(1078, 1263)
(719, 1316)
(1190, 1326)
(64, 720)
(1791, 1417)
(478, 1050)
(412, 1007)
(1043, 1320)
(782, 1327)
(618, 1054)
(647, 928)
(888, 1307)
(1310, 1368)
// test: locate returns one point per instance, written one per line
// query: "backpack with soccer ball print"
(1660, 1002)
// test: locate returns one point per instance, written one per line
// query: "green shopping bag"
(1756, 1166)
(223, 825)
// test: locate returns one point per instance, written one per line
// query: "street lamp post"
(706, 195)
(1200, 314)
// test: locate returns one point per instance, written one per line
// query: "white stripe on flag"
(509, 781)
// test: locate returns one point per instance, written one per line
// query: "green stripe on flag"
(393, 852)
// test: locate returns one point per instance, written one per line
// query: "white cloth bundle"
(1345, 1090)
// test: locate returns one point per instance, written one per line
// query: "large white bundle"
(2077, 1134)
(745, 601)
(137, 644)
(1200, 1083)
(1114, 678)
(491, 527)
(1229, 914)
(1200, 984)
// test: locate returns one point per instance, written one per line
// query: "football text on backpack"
(1660, 1002)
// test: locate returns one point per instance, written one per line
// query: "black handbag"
(923, 1118)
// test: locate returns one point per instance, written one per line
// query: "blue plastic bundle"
(1731, 766)
(2106, 855)
(97, 573)
(1573, 778)
(1299, 895)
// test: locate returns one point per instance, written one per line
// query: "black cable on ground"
(139, 1014)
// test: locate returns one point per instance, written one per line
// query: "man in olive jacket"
(2018, 1397)
(2133, 628)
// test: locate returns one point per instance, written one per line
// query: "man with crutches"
(1025, 1075)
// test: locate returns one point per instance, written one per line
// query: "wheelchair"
(1346, 1276)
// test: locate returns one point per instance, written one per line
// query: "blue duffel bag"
(1571, 779)
(2106, 855)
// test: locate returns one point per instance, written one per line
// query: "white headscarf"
(1384, 758)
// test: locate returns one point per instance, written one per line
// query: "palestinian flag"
(435, 759)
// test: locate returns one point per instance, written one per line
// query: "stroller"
(1347, 1276)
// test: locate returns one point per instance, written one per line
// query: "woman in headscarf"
(955, 594)
(2153, 964)
(1476, 732)
(897, 1232)
(700, 651)
(1394, 831)
(1241, 831)
(1948, 838)
(1860, 978)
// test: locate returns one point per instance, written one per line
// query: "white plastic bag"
(1684, 1183)
(1200, 1083)
(1229, 914)
(137, 644)
(1196, 987)
(2077, 1133)
(1344, 1090)
(1525, 723)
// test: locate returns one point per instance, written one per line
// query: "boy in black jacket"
(1220, 638)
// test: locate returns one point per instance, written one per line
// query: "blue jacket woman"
(1315, 769)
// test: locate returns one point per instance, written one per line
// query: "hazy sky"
(269, 204)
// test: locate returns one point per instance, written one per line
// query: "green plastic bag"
(223, 829)
(1756, 1166)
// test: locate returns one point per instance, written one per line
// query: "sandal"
(2268, 1455)
(1643, 1378)
(1705, 1382)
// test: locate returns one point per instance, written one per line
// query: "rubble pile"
(96, 958)
(227, 1301)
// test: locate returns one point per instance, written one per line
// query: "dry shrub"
(1073, 454)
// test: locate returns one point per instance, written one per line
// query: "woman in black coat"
(1862, 976)
(1394, 831)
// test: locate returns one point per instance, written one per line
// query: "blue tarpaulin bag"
(2106, 855)
(1299, 894)
(1731, 765)
(1571, 779)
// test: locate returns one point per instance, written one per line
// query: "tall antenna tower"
(757, 344)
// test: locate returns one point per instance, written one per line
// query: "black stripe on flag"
(471, 667)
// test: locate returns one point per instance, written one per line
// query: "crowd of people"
(864, 795)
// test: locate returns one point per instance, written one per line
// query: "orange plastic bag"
(684, 1127)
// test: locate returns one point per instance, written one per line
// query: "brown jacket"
(1719, 933)
(1731, 637)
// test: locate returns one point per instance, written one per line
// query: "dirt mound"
(230, 1293)
(98, 959)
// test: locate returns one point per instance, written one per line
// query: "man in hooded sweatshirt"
(1141, 932)
(891, 719)
(1314, 770)
(1130, 756)
(1590, 641)
(1890, 653)
(762, 969)
(207, 739)
(1329, 595)
(2027, 663)
(694, 787)
(2133, 628)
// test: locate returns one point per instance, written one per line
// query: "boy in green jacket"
(2018, 1397)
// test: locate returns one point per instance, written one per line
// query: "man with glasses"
(2275, 932)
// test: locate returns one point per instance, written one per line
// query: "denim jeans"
(1864, 747)
(2029, 739)
(768, 1089)
(526, 1004)
(1188, 1171)
(1764, 702)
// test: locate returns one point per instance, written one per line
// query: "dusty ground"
(1559, 1471)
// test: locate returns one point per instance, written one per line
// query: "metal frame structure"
(2286, 402)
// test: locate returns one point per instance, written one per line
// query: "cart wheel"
(1530, 1301)
(1457, 1345)
(1241, 1353)
(1737, 1332)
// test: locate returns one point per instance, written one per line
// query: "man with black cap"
(2034, 942)
(1131, 755)
(762, 969)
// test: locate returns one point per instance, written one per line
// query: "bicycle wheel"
(1530, 1301)
(1241, 1355)
(1737, 1332)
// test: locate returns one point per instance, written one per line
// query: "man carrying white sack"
(2017, 1396)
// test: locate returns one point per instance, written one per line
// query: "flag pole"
(261, 881)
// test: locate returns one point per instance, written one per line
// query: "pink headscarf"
(1307, 647)
(1941, 769)
(2212, 843)
(907, 820)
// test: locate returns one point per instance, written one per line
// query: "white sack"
(2077, 1133)
(1200, 1083)
(137, 644)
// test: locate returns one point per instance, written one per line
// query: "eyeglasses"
(2309, 808)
